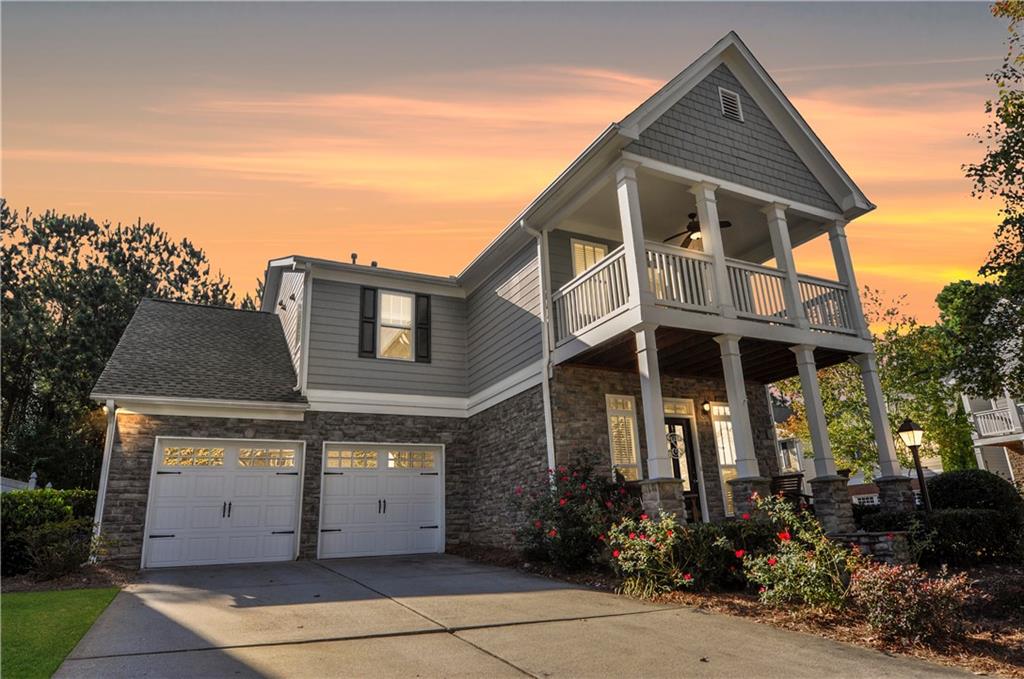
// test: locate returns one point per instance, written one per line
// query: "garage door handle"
(426, 527)
(159, 471)
(385, 506)
(378, 505)
(428, 473)
(282, 532)
(229, 510)
(330, 530)
(287, 473)
(224, 510)
(154, 537)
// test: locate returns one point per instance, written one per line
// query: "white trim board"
(204, 407)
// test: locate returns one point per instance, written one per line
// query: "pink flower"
(552, 533)
(583, 486)
(632, 536)
(784, 536)
(643, 517)
(687, 577)
(772, 561)
(615, 554)
(740, 553)
(745, 516)
(561, 502)
(537, 523)
(601, 537)
(762, 589)
(754, 496)
(519, 490)
(642, 536)
(622, 491)
(608, 504)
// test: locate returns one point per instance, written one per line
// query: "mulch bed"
(88, 577)
(993, 645)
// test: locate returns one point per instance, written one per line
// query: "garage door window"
(347, 458)
(410, 459)
(193, 457)
(266, 457)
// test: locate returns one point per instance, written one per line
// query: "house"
(629, 318)
(998, 434)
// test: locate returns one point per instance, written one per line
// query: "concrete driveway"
(429, 616)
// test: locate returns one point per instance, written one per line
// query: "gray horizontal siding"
(334, 361)
(560, 254)
(503, 321)
(694, 134)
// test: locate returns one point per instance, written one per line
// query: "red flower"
(642, 536)
(745, 516)
(615, 554)
(643, 517)
(740, 553)
(537, 523)
(754, 496)
(601, 537)
(565, 478)
(772, 561)
(669, 533)
(583, 486)
(552, 533)
(687, 577)
(762, 589)
(622, 491)
(632, 536)
(561, 503)
(608, 504)
(519, 490)
(784, 536)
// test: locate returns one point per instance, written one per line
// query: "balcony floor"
(686, 353)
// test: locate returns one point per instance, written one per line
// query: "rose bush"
(644, 552)
(566, 514)
(805, 566)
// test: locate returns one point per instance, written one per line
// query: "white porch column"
(844, 270)
(887, 460)
(711, 241)
(824, 464)
(782, 248)
(736, 391)
(633, 235)
(659, 464)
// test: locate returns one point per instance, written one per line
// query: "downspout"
(108, 446)
(545, 336)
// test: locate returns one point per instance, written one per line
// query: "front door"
(684, 463)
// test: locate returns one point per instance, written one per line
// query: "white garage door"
(381, 499)
(223, 501)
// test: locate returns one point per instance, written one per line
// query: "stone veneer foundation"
(484, 456)
(580, 421)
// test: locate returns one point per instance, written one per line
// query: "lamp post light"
(912, 434)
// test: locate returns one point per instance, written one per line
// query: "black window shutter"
(368, 323)
(423, 328)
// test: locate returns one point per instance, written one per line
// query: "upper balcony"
(996, 421)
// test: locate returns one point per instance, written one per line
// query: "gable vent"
(731, 107)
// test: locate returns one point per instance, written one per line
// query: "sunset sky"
(413, 133)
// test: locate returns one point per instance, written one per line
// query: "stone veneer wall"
(581, 425)
(482, 455)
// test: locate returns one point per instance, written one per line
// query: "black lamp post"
(912, 434)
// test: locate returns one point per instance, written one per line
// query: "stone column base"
(832, 505)
(895, 494)
(663, 496)
(742, 491)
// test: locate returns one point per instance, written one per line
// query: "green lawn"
(40, 628)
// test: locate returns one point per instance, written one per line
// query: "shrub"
(644, 553)
(977, 489)
(806, 566)
(901, 603)
(21, 510)
(567, 513)
(81, 501)
(956, 536)
(57, 548)
(708, 550)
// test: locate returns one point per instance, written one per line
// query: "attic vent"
(731, 107)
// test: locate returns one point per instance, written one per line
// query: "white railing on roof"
(826, 303)
(591, 297)
(757, 291)
(681, 278)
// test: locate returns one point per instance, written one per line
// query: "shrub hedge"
(961, 537)
(22, 510)
(977, 489)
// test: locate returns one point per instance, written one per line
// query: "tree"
(913, 366)
(70, 288)
(986, 320)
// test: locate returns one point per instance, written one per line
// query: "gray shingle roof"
(174, 349)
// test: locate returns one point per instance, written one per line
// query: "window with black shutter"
(368, 323)
(423, 328)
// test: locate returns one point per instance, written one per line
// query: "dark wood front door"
(681, 447)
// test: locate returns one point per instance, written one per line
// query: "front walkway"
(433, 616)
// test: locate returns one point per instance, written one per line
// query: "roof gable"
(693, 133)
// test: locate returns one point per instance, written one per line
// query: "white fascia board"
(386, 278)
(203, 407)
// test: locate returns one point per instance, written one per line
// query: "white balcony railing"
(826, 303)
(592, 296)
(757, 291)
(994, 422)
(684, 279)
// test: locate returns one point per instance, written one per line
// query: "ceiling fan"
(692, 232)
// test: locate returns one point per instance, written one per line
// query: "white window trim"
(412, 325)
(718, 458)
(591, 243)
(739, 103)
(695, 437)
(609, 411)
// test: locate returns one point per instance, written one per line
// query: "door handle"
(378, 505)
(385, 505)
(229, 510)
(224, 510)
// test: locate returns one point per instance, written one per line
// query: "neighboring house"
(626, 319)
(7, 485)
(998, 434)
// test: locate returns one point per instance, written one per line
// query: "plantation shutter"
(368, 322)
(422, 328)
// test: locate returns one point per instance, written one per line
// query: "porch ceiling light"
(911, 433)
